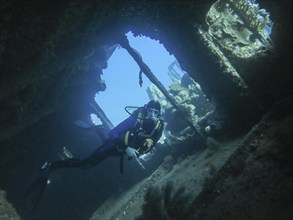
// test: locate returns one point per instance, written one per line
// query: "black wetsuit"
(132, 132)
(117, 143)
(106, 150)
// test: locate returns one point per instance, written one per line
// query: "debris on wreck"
(192, 103)
(249, 166)
(165, 203)
(240, 27)
(7, 211)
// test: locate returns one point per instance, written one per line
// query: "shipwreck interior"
(227, 149)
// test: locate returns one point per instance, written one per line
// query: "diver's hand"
(131, 152)
(148, 143)
(146, 146)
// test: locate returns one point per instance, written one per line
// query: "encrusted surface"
(7, 211)
(228, 27)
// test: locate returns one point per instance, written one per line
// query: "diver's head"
(153, 109)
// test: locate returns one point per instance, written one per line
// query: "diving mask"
(152, 113)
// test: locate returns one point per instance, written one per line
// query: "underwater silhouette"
(135, 136)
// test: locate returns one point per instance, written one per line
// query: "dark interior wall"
(44, 44)
(24, 155)
(268, 75)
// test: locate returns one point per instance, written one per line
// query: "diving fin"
(36, 190)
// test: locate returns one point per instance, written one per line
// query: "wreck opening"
(126, 85)
(183, 102)
(157, 75)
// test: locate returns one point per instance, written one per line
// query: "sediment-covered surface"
(248, 177)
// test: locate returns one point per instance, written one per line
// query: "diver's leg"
(90, 161)
(72, 162)
(36, 190)
(105, 150)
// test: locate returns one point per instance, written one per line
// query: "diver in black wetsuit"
(139, 132)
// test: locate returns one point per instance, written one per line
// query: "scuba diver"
(135, 136)
(140, 132)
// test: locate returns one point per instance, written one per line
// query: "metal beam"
(146, 70)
